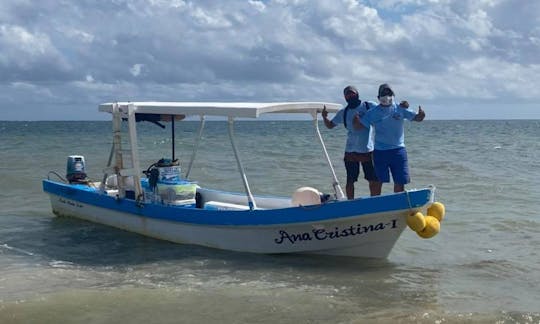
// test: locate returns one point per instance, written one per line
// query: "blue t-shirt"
(358, 140)
(388, 123)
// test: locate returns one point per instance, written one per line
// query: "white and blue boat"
(161, 202)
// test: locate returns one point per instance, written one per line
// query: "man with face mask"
(359, 146)
(389, 154)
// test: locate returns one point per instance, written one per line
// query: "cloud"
(86, 52)
(27, 56)
(257, 5)
(135, 70)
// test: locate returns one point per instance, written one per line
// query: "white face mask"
(386, 100)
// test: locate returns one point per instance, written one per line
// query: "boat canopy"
(225, 109)
(130, 110)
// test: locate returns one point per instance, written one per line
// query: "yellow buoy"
(436, 210)
(433, 226)
(416, 221)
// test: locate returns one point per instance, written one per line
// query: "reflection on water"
(83, 272)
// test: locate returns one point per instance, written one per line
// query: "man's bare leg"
(375, 188)
(349, 188)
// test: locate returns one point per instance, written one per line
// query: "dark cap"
(350, 89)
(383, 87)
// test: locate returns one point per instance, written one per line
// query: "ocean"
(483, 267)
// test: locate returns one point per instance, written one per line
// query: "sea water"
(483, 267)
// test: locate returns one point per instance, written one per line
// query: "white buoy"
(306, 196)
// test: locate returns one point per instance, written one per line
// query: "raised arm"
(327, 122)
(420, 115)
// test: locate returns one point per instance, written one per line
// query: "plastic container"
(177, 193)
(169, 174)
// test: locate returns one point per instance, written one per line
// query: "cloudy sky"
(457, 59)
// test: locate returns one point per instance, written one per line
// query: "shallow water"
(483, 267)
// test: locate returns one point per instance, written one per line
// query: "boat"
(163, 202)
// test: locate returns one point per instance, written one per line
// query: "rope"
(408, 200)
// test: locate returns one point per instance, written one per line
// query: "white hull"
(372, 235)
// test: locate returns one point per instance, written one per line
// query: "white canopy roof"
(227, 109)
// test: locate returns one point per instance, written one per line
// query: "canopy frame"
(232, 111)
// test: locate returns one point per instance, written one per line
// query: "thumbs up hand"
(324, 112)
(420, 115)
(404, 104)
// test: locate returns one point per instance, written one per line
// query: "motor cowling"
(75, 169)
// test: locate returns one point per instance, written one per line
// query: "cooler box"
(180, 192)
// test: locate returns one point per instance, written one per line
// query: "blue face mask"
(386, 100)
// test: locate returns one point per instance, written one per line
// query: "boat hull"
(317, 230)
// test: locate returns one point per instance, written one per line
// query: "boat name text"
(70, 202)
(337, 233)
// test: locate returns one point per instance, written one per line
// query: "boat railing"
(57, 175)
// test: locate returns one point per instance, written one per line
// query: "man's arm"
(357, 124)
(420, 115)
(327, 122)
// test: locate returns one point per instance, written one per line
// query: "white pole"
(102, 186)
(117, 145)
(195, 147)
(251, 201)
(337, 188)
(134, 152)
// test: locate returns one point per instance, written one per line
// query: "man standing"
(388, 120)
(359, 145)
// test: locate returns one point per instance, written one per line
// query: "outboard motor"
(75, 171)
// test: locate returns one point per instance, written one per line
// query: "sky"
(457, 59)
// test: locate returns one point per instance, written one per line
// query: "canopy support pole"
(136, 169)
(251, 201)
(102, 186)
(335, 183)
(117, 145)
(172, 137)
(196, 146)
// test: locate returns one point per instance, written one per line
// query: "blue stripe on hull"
(328, 211)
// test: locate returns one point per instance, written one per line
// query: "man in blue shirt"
(359, 146)
(389, 154)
